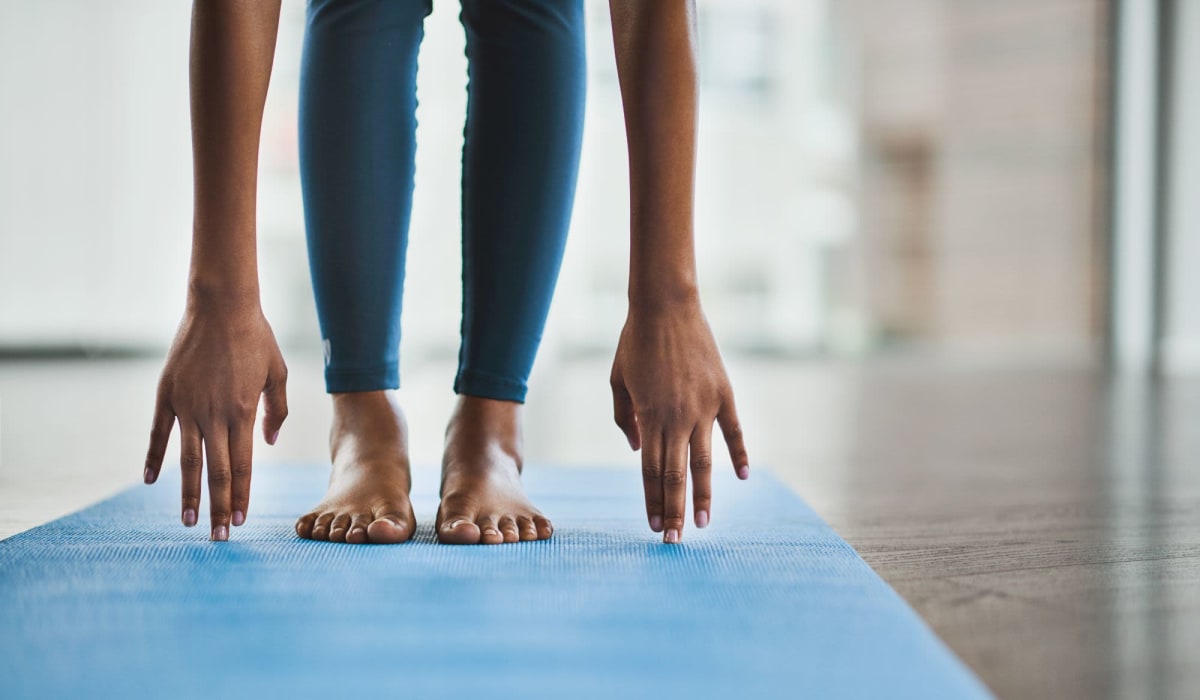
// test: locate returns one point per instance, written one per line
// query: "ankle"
(483, 423)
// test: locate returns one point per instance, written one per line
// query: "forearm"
(656, 66)
(232, 48)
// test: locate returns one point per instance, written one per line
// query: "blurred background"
(944, 245)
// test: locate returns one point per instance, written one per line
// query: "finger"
(624, 413)
(700, 456)
(674, 486)
(731, 428)
(241, 453)
(160, 435)
(191, 468)
(275, 408)
(216, 452)
(652, 474)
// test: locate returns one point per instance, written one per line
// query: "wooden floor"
(1044, 521)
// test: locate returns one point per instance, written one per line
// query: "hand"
(216, 369)
(669, 385)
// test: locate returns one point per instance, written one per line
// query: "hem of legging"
(489, 386)
(340, 381)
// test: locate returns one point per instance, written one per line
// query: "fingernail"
(744, 472)
(672, 536)
(274, 437)
(220, 533)
(148, 475)
(238, 518)
(656, 523)
(702, 518)
(189, 517)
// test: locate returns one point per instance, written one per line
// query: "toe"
(489, 530)
(338, 527)
(320, 529)
(388, 529)
(527, 529)
(357, 534)
(458, 528)
(508, 528)
(544, 528)
(304, 526)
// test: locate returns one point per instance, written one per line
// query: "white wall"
(94, 171)
(1181, 344)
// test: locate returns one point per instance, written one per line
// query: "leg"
(520, 160)
(357, 148)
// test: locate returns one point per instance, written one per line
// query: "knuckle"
(673, 522)
(191, 462)
(241, 470)
(652, 471)
(674, 479)
(701, 461)
(218, 478)
(220, 515)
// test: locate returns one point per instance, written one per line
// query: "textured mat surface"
(120, 601)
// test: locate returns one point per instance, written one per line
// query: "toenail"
(672, 536)
(238, 518)
(656, 523)
(702, 518)
(189, 517)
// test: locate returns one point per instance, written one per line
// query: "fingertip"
(743, 472)
(273, 437)
(702, 518)
(238, 518)
(149, 476)
(656, 523)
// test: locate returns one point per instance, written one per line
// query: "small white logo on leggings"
(328, 351)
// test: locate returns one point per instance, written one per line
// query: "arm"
(669, 384)
(224, 356)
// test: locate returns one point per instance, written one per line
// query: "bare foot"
(367, 499)
(483, 501)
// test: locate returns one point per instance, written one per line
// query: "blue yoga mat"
(121, 601)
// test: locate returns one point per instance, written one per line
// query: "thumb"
(275, 408)
(624, 413)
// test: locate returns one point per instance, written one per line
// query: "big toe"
(458, 530)
(388, 529)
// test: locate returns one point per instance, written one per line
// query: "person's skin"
(224, 356)
(669, 384)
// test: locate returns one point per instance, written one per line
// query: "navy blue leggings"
(520, 159)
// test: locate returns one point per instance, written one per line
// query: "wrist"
(663, 296)
(232, 297)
